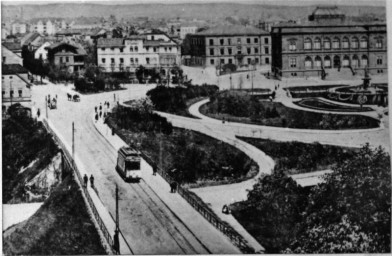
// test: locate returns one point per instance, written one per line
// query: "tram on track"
(128, 164)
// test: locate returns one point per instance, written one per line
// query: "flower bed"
(324, 105)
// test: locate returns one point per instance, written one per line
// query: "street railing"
(71, 163)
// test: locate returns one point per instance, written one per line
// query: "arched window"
(379, 43)
(364, 61)
(308, 44)
(336, 43)
(345, 43)
(292, 45)
(364, 43)
(327, 62)
(355, 61)
(327, 43)
(354, 43)
(317, 43)
(346, 61)
(336, 61)
(317, 61)
(308, 62)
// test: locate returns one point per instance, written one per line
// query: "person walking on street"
(100, 114)
(100, 106)
(38, 113)
(92, 181)
(116, 243)
(85, 179)
(96, 117)
(96, 108)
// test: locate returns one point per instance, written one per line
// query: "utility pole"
(73, 140)
(116, 241)
(117, 216)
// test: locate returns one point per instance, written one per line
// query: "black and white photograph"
(194, 127)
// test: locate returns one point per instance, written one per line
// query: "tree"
(351, 212)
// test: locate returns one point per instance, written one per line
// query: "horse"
(69, 96)
(76, 97)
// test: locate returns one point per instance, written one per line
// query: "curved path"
(348, 138)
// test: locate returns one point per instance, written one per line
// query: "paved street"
(149, 226)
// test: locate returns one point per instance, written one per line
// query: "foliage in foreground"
(349, 213)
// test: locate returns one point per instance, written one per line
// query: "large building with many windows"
(152, 50)
(327, 42)
(221, 45)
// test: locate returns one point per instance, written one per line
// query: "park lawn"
(297, 157)
(199, 160)
(293, 118)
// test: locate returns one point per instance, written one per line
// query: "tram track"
(166, 219)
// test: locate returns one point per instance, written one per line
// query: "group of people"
(99, 110)
(85, 179)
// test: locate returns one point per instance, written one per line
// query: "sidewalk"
(213, 239)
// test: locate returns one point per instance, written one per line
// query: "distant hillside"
(208, 11)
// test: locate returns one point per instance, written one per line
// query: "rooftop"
(232, 30)
(79, 49)
(327, 11)
(12, 46)
(12, 69)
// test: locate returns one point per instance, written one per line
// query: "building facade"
(19, 28)
(15, 86)
(323, 44)
(66, 55)
(148, 50)
(44, 27)
(228, 45)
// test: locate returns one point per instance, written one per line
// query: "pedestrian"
(247, 76)
(96, 109)
(85, 179)
(96, 117)
(38, 112)
(92, 181)
(172, 187)
(108, 105)
(154, 171)
(116, 243)
(100, 106)
(100, 114)
(56, 96)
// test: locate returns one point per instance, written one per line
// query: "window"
(222, 61)
(131, 49)
(379, 60)
(230, 51)
(148, 60)
(10, 77)
(229, 41)
(222, 51)
(103, 60)
(266, 50)
(136, 60)
(121, 60)
(211, 52)
(293, 62)
(3, 93)
(112, 60)
(238, 40)
(317, 43)
(257, 60)
(12, 93)
(248, 50)
(364, 60)
(66, 59)
(165, 49)
(354, 43)
(256, 50)
(211, 41)
(267, 61)
(345, 43)
(121, 50)
(308, 44)
(230, 61)
(249, 61)
(364, 42)
(170, 49)
(239, 51)
(308, 62)
(292, 46)
(155, 49)
(61, 59)
(327, 43)
(212, 62)
(147, 48)
(379, 43)
(266, 40)
(355, 61)
(317, 61)
(131, 60)
(336, 43)
(20, 93)
(152, 38)
(248, 40)
(221, 41)
(346, 61)
(327, 62)
(256, 40)
(136, 49)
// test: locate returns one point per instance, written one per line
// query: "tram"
(128, 164)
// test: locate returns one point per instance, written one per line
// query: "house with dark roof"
(328, 44)
(8, 56)
(67, 55)
(15, 86)
(224, 44)
(151, 50)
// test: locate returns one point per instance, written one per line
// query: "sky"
(274, 2)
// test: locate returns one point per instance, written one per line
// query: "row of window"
(239, 50)
(12, 93)
(65, 58)
(317, 62)
(136, 49)
(239, 41)
(230, 61)
(336, 43)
